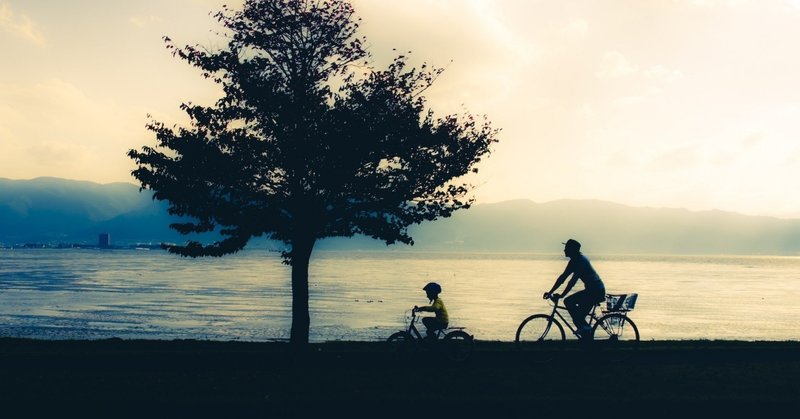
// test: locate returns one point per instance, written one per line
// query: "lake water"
(363, 296)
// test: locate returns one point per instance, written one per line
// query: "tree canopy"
(309, 140)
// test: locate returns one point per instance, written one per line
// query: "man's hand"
(546, 296)
(416, 309)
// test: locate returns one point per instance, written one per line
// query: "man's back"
(580, 266)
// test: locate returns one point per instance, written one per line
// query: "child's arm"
(424, 308)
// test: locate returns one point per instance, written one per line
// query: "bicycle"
(454, 341)
(612, 330)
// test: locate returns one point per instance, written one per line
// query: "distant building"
(104, 240)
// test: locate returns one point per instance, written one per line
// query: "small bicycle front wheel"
(400, 343)
(617, 335)
(458, 345)
(538, 332)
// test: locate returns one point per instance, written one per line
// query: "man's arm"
(571, 284)
(560, 280)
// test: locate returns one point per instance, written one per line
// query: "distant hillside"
(48, 210)
(609, 228)
(51, 210)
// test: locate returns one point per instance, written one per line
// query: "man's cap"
(572, 243)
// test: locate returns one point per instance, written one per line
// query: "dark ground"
(237, 379)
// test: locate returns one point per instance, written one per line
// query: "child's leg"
(432, 324)
(429, 327)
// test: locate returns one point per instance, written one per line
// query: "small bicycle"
(453, 341)
(613, 329)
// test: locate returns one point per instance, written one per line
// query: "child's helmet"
(433, 287)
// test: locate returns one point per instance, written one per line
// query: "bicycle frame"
(413, 331)
(557, 312)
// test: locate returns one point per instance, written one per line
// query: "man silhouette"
(580, 303)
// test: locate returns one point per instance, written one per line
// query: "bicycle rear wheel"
(539, 332)
(616, 335)
(458, 345)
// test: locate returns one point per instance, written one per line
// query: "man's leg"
(578, 305)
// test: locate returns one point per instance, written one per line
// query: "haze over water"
(363, 296)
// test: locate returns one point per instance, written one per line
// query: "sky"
(662, 103)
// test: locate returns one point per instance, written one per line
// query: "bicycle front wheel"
(539, 331)
(616, 332)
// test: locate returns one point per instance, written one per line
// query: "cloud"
(662, 74)
(143, 21)
(488, 56)
(792, 159)
(19, 25)
(493, 25)
(753, 139)
(676, 159)
(628, 101)
(715, 3)
(53, 128)
(578, 28)
(586, 111)
(620, 160)
(615, 65)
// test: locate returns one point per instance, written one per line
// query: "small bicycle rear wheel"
(539, 332)
(458, 345)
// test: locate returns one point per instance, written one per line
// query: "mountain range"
(56, 211)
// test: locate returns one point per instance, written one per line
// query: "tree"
(307, 142)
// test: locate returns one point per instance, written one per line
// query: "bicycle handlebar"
(553, 297)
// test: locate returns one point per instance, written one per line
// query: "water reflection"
(73, 293)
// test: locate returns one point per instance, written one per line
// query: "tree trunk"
(301, 255)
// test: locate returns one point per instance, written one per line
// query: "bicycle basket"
(621, 302)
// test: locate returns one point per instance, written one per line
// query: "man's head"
(571, 248)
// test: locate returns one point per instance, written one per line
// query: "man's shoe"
(585, 332)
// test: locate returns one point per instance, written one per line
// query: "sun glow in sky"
(664, 103)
